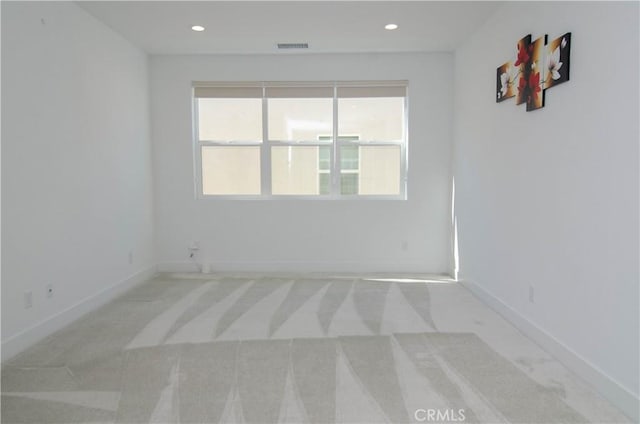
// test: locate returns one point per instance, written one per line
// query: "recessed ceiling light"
(197, 28)
(391, 27)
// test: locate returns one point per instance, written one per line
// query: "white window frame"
(266, 144)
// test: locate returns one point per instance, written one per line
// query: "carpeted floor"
(250, 349)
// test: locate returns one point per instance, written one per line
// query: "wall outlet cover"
(28, 300)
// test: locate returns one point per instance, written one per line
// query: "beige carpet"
(293, 350)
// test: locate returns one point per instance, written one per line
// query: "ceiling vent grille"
(293, 45)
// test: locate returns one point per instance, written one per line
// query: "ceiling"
(164, 27)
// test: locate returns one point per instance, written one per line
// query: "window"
(229, 134)
(313, 140)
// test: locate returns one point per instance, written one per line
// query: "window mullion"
(404, 149)
(197, 151)
(335, 156)
(265, 150)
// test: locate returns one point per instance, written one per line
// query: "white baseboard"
(298, 267)
(616, 393)
(26, 338)
(177, 267)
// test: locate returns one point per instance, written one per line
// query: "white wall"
(76, 166)
(549, 198)
(299, 235)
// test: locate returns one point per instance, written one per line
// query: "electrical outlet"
(28, 300)
(193, 248)
(404, 245)
(49, 291)
(131, 257)
(531, 294)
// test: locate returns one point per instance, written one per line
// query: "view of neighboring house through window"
(317, 139)
(349, 167)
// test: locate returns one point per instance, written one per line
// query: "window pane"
(349, 169)
(349, 157)
(300, 119)
(372, 118)
(298, 170)
(379, 170)
(324, 158)
(349, 183)
(325, 183)
(230, 170)
(230, 119)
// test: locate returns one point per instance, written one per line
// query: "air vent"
(293, 45)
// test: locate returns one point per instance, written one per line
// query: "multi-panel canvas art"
(557, 61)
(506, 82)
(538, 66)
(522, 65)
